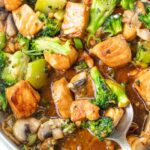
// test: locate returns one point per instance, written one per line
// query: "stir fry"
(69, 69)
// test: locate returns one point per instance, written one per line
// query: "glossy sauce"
(82, 139)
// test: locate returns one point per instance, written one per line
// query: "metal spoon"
(119, 133)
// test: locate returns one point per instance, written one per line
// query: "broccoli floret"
(3, 101)
(143, 54)
(145, 18)
(3, 59)
(104, 96)
(52, 45)
(15, 68)
(23, 42)
(127, 4)
(99, 12)
(68, 127)
(49, 5)
(113, 25)
(51, 28)
(80, 66)
(100, 128)
(2, 40)
(117, 89)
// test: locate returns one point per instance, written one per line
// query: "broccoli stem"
(2, 40)
(122, 98)
(104, 96)
(3, 101)
(99, 12)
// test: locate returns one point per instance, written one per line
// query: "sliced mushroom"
(23, 127)
(51, 128)
(116, 114)
(11, 29)
(81, 85)
(144, 34)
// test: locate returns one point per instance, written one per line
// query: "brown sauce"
(82, 139)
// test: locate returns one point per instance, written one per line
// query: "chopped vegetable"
(99, 12)
(143, 54)
(37, 73)
(104, 96)
(23, 42)
(51, 27)
(52, 45)
(127, 4)
(3, 59)
(145, 18)
(15, 68)
(78, 43)
(3, 101)
(2, 40)
(68, 127)
(113, 25)
(80, 66)
(48, 5)
(119, 91)
(100, 128)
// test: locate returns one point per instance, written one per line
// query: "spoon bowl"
(119, 133)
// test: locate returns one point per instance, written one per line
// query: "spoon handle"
(122, 141)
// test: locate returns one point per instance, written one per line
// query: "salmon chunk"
(83, 109)
(75, 19)
(142, 85)
(23, 99)
(26, 20)
(12, 4)
(62, 97)
(61, 62)
(114, 51)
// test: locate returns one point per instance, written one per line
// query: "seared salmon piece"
(75, 19)
(26, 20)
(82, 110)
(142, 85)
(23, 99)
(114, 51)
(12, 4)
(62, 97)
(61, 62)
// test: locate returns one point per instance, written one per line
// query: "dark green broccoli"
(113, 25)
(39, 45)
(51, 28)
(101, 128)
(145, 18)
(2, 40)
(119, 90)
(143, 54)
(15, 68)
(3, 59)
(68, 127)
(99, 12)
(104, 96)
(127, 4)
(23, 42)
(80, 66)
(3, 101)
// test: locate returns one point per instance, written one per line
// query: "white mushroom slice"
(48, 129)
(24, 126)
(57, 133)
